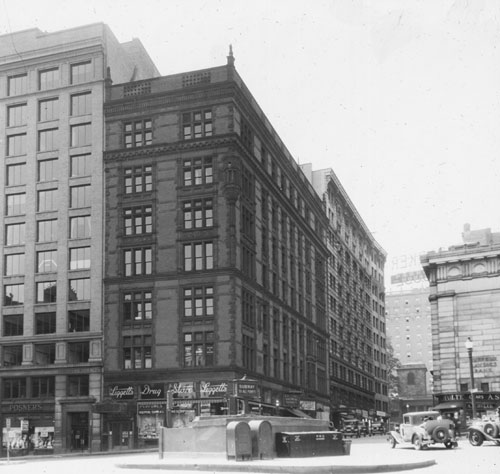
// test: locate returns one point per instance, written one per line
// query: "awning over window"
(449, 405)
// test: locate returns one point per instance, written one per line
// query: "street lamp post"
(469, 345)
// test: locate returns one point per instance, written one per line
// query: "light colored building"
(408, 316)
(52, 88)
(465, 303)
(356, 306)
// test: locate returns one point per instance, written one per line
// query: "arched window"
(410, 378)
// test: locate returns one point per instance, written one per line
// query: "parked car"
(351, 428)
(482, 431)
(378, 428)
(422, 429)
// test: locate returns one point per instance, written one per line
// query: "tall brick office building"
(216, 259)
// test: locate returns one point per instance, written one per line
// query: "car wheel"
(476, 438)
(491, 429)
(392, 441)
(417, 442)
(440, 434)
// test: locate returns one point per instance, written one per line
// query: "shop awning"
(449, 405)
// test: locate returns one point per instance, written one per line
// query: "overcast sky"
(400, 98)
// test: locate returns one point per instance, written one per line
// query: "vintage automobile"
(351, 428)
(482, 431)
(422, 429)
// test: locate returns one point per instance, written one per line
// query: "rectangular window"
(197, 124)
(17, 85)
(13, 295)
(138, 261)
(45, 323)
(81, 104)
(45, 354)
(14, 388)
(81, 134)
(47, 200)
(79, 320)
(17, 115)
(13, 324)
(137, 352)
(138, 133)
(48, 79)
(48, 109)
(81, 165)
(46, 292)
(199, 349)
(79, 227)
(137, 306)
(198, 256)
(12, 356)
(198, 214)
(80, 196)
(16, 204)
(14, 264)
(199, 302)
(138, 220)
(79, 289)
(46, 261)
(78, 352)
(138, 179)
(79, 258)
(47, 230)
(16, 144)
(198, 171)
(16, 174)
(43, 387)
(78, 386)
(81, 72)
(47, 139)
(47, 170)
(14, 234)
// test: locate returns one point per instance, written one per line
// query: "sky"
(401, 98)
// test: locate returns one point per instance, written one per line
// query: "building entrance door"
(121, 435)
(79, 431)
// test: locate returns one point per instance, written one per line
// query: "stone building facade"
(465, 303)
(51, 212)
(356, 307)
(215, 259)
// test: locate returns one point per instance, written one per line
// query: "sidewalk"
(364, 458)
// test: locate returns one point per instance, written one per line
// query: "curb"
(272, 469)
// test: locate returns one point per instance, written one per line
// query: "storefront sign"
(24, 407)
(182, 389)
(485, 396)
(247, 388)
(152, 391)
(211, 389)
(291, 400)
(309, 405)
(484, 364)
(149, 408)
(121, 392)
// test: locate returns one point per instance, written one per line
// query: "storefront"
(28, 428)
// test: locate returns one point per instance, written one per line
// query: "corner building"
(51, 215)
(465, 302)
(215, 260)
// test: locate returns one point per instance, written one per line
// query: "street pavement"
(367, 455)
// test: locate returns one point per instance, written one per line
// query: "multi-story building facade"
(356, 307)
(408, 316)
(216, 259)
(52, 88)
(465, 302)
